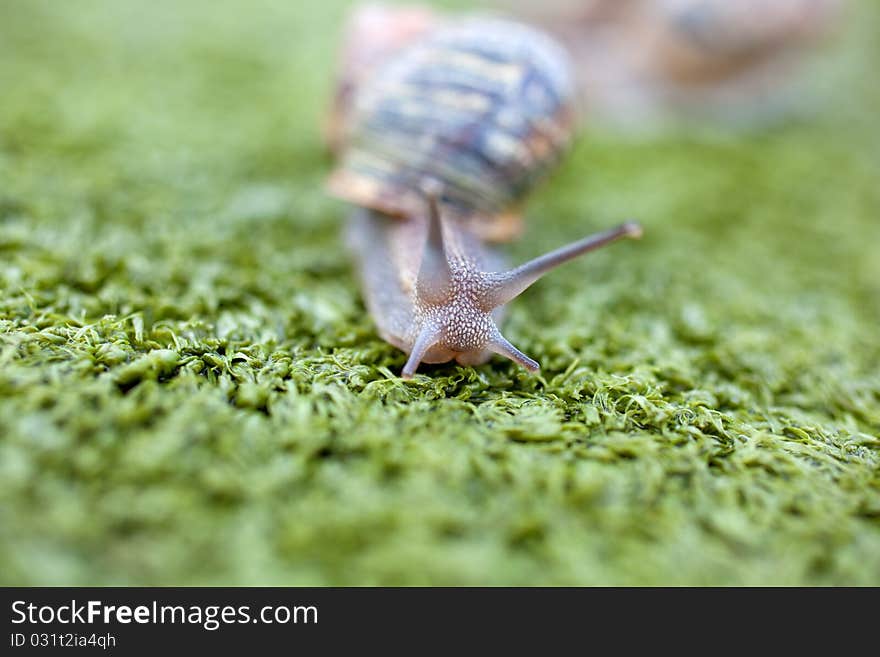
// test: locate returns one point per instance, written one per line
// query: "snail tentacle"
(425, 340)
(501, 346)
(506, 286)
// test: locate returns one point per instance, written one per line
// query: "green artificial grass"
(191, 391)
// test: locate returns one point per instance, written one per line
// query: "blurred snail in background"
(438, 144)
(723, 60)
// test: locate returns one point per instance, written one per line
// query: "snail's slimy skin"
(436, 291)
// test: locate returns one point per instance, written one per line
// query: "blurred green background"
(191, 391)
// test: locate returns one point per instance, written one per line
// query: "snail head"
(454, 299)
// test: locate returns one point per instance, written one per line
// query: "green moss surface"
(191, 391)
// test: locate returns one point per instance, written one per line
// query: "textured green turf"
(191, 391)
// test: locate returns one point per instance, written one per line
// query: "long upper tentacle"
(505, 286)
(434, 276)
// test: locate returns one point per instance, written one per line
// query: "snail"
(445, 139)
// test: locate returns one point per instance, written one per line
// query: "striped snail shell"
(484, 107)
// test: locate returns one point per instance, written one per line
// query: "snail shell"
(484, 107)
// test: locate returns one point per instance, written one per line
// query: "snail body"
(445, 141)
